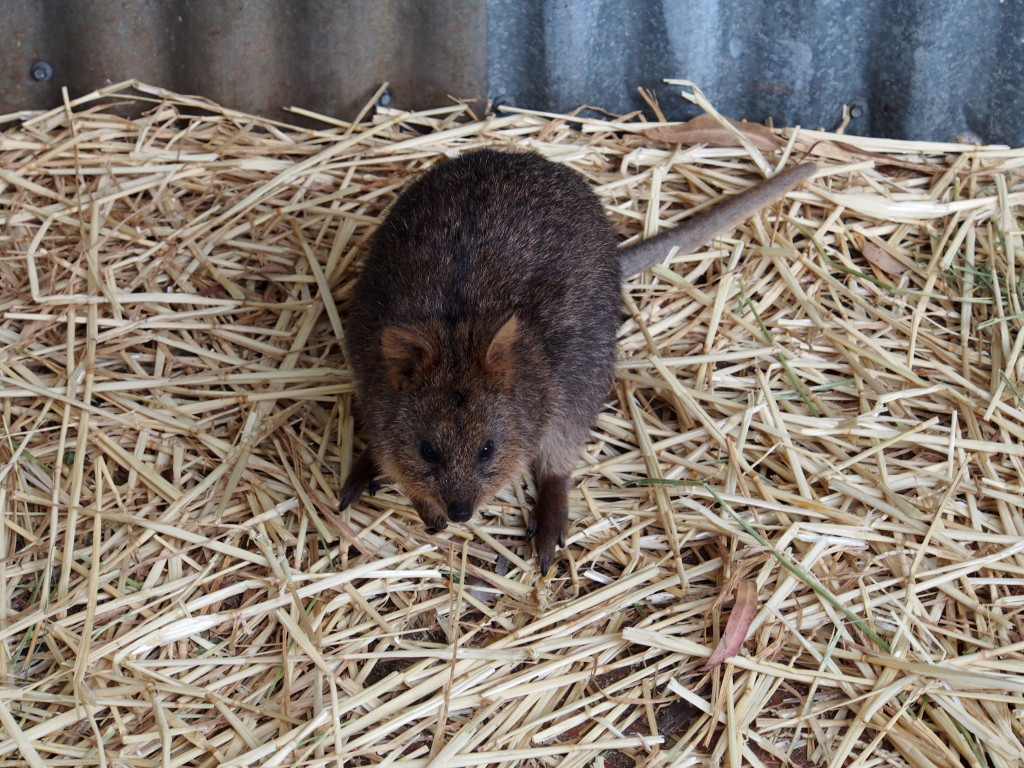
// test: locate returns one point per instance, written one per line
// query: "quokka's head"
(458, 422)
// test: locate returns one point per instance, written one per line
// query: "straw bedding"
(815, 430)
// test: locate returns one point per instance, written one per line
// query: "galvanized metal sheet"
(918, 69)
(914, 69)
(253, 55)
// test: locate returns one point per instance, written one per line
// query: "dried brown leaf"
(743, 610)
(883, 260)
(704, 129)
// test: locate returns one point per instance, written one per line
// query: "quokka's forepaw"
(360, 478)
(547, 559)
(550, 519)
(349, 493)
(431, 514)
(546, 539)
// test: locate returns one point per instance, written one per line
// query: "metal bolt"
(385, 98)
(42, 71)
(502, 100)
(858, 108)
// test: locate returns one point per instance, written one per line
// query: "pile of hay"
(815, 429)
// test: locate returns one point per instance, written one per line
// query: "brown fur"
(482, 336)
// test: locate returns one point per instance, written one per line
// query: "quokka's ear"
(500, 352)
(407, 354)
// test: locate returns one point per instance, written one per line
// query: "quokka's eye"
(487, 452)
(428, 453)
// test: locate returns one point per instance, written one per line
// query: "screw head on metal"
(42, 71)
(386, 97)
(502, 100)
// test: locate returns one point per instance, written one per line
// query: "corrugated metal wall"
(921, 69)
(253, 55)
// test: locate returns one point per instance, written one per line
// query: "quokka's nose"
(460, 511)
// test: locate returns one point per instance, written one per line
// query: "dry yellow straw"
(830, 399)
